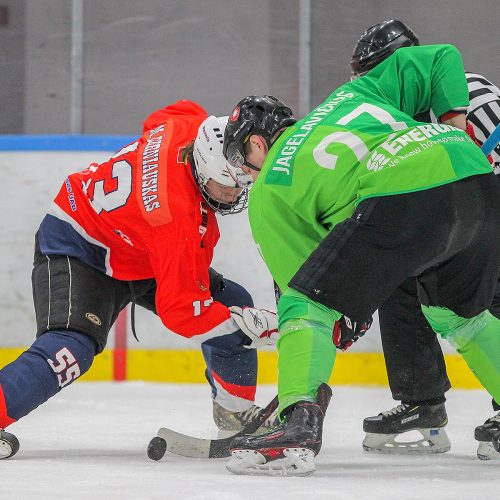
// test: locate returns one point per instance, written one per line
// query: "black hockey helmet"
(262, 115)
(378, 42)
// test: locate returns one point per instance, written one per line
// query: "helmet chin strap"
(251, 166)
(269, 143)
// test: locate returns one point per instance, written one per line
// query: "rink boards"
(187, 366)
(31, 170)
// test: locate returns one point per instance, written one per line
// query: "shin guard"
(54, 360)
(306, 348)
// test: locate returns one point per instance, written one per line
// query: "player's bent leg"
(477, 339)
(54, 361)
(231, 368)
(306, 349)
(306, 358)
(232, 377)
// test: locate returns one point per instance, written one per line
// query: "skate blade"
(433, 441)
(486, 451)
(5, 450)
(296, 462)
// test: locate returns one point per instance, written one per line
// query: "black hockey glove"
(346, 331)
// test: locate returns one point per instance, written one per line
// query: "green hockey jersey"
(361, 142)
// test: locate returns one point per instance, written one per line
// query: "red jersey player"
(141, 228)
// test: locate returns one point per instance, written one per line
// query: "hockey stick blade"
(190, 446)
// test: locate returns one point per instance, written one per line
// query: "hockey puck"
(157, 448)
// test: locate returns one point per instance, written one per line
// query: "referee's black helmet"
(378, 42)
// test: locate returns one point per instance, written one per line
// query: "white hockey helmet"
(209, 163)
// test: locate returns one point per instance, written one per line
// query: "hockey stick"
(190, 446)
(491, 143)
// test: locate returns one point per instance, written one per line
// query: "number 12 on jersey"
(198, 304)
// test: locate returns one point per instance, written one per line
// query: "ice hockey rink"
(90, 442)
(91, 70)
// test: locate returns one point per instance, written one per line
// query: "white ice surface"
(89, 442)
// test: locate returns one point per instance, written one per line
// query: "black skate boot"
(488, 436)
(9, 445)
(287, 449)
(383, 430)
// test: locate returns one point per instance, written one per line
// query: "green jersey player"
(350, 201)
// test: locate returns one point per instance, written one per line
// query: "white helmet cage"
(209, 163)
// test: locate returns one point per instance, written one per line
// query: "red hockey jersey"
(140, 215)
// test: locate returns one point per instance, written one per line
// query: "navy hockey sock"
(53, 361)
(231, 367)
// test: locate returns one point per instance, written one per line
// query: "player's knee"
(233, 294)
(294, 306)
(68, 354)
(455, 329)
(55, 359)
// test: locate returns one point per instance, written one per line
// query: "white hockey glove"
(260, 325)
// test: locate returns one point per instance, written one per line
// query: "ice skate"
(488, 435)
(230, 422)
(385, 433)
(9, 445)
(289, 448)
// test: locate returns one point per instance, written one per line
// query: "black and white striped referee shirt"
(484, 110)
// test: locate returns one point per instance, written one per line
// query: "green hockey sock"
(306, 349)
(477, 339)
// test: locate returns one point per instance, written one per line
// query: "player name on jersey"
(150, 158)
